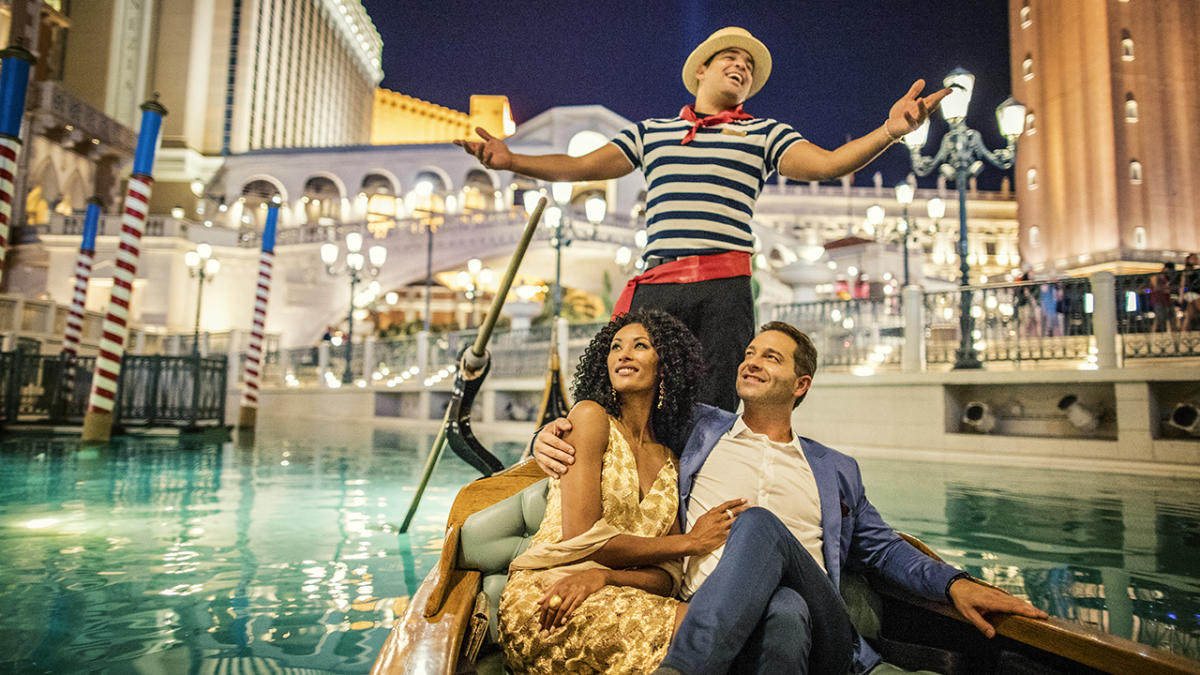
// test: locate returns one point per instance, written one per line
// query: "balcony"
(58, 114)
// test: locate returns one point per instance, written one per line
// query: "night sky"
(838, 64)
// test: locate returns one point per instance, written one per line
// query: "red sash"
(685, 271)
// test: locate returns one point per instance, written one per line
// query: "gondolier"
(705, 169)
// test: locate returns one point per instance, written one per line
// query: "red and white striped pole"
(15, 62)
(97, 423)
(254, 353)
(83, 274)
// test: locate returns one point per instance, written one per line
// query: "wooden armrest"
(430, 644)
(444, 571)
(1077, 642)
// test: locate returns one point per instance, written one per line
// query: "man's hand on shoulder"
(973, 600)
(550, 451)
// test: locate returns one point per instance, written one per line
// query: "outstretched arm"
(601, 164)
(808, 161)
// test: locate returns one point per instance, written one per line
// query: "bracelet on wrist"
(889, 133)
(950, 582)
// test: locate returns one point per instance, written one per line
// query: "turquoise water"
(162, 556)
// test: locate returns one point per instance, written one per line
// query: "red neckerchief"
(689, 113)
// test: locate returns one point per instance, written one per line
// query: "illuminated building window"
(1135, 172)
(1126, 46)
(1131, 109)
(1139, 237)
(1027, 67)
(1035, 237)
(1031, 179)
(1030, 123)
(1025, 12)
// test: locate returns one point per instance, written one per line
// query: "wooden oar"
(474, 361)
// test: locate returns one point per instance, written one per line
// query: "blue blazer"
(855, 536)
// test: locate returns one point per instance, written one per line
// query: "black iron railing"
(1151, 317)
(154, 391)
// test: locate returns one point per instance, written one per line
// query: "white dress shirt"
(775, 476)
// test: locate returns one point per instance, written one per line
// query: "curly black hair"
(680, 367)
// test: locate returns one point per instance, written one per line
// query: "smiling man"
(768, 600)
(705, 169)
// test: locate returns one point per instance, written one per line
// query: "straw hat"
(725, 38)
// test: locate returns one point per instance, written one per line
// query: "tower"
(1108, 172)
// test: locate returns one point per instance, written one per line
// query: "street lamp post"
(356, 268)
(203, 267)
(961, 156)
(558, 219)
(421, 200)
(474, 279)
(904, 195)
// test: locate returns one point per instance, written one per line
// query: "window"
(1030, 123)
(1135, 172)
(1131, 109)
(1031, 179)
(1139, 237)
(1035, 237)
(1126, 46)
(989, 247)
(1026, 21)
(1027, 67)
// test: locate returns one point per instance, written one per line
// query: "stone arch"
(322, 197)
(435, 171)
(76, 193)
(394, 182)
(332, 178)
(255, 198)
(481, 177)
(479, 190)
(376, 201)
(279, 187)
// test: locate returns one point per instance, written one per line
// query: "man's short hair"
(805, 355)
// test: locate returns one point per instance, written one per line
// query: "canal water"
(169, 556)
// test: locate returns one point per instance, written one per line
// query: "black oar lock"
(473, 366)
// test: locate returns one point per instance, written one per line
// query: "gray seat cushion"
(492, 537)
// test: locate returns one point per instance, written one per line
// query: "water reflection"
(1117, 553)
(161, 555)
(281, 551)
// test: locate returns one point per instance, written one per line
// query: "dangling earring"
(662, 391)
(614, 394)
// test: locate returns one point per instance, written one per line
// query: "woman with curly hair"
(594, 591)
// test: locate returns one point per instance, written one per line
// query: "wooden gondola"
(444, 631)
(449, 624)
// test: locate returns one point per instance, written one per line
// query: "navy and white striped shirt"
(700, 196)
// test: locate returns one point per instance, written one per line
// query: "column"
(1104, 318)
(913, 357)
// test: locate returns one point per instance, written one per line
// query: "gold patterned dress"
(618, 629)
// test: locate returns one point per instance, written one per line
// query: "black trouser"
(720, 313)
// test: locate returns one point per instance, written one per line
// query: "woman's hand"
(568, 593)
(710, 530)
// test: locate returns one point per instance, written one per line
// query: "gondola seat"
(492, 537)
